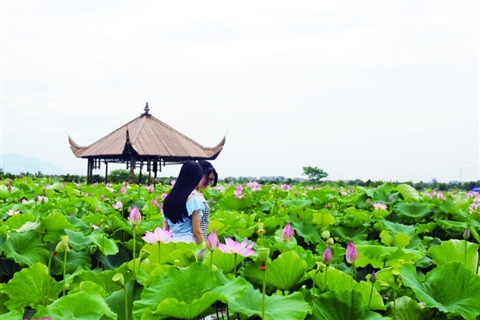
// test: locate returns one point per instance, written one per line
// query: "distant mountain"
(15, 163)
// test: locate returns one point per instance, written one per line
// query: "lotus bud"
(351, 255)
(263, 254)
(102, 197)
(201, 255)
(287, 232)
(65, 242)
(212, 241)
(326, 234)
(118, 278)
(373, 277)
(261, 230)
(43, 200)
(466, 234)
(327, 256)
(135, 217)
(36, 198)
(330, 241)
(9, 188)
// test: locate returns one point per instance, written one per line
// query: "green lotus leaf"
(455, 250)
(306, 230)
(12, 315)
(190, 288)
(401, 240)
(406, 308)
(340, 305)
(77, 239)
(380, 256)
(463, 292)
(32, 287)
(408, 192)
(297, 203)
(75, 260)
(323, 220)
(282, 273)
(456, 226)
(223, 261)
(396, 228)
(78, 306)
(116, 300)
(338, 280)
(103, 279)
(17, 221)
(26, 248)
(107, 246)
(56, 221)
(411, 212)
(242, 298)
(346, 234)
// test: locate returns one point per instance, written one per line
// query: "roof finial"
(146, 109)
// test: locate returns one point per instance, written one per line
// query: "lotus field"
(77, 251)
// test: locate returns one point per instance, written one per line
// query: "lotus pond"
(73, 251)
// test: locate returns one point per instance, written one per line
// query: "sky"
(379, 90)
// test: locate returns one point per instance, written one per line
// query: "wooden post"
(106, 172)
(132, 169)
(90, 170)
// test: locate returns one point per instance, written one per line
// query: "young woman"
(182, 208)
(210, 177)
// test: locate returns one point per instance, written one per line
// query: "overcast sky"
(380, 90)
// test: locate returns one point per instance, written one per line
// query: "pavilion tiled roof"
(148, 137)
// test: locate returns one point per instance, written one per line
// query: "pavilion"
(143, 141)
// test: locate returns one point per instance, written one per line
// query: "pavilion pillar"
(106, 172)
(149, 169)
(133, 161)
(90, 170)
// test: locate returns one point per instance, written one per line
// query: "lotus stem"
(326, 269)
(235, 264)
(126, 303)
(159, 253)
(64, 270)
(48, 281)
(211, 259)
(370, 299)
(264, 288)
(134, 247)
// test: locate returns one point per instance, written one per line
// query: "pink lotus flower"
(154, 201)
(94, 227)
(118, 205)
(212, 241)
(286, 187)
(231, 246)
(255, 186)
(149, 189)
(135, 217)
(219, 188)
(102, 197)
(238, 193)
(158, 235)
(12, 212)
(164, 195)
(351, 255)
(123, 190)
(379, 206)
(327, 256)
(287, 232)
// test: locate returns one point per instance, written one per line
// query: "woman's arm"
(197, 231)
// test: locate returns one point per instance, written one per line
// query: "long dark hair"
(174, 206)
(208, 169)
